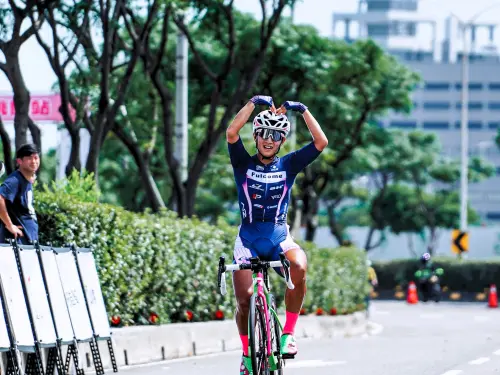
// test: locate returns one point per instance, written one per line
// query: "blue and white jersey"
(264, 189)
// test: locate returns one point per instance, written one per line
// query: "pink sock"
(291, 321)
(244, 342)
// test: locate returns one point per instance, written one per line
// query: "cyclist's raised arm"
(232, 132)
(319, 138)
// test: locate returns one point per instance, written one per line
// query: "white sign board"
(4, 334)
(56, 296)
(37, 296)
(73, 294)
(90, 278)
(14, 298)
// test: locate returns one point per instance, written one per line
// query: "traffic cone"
(493, 298)
(412, 296)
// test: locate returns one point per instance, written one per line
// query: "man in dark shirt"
(17, 213)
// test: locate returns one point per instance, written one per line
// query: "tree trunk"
(21, 96)
(311, 206)
(92, 165)
(36, 134)
(434, 235)
(369, 238)
(335, 229)
(411, 245)
(152, 193)
(74, 156)
(7, 149)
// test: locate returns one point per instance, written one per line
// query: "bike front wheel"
(257, 337)
(277, 360)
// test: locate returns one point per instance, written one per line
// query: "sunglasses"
(276, 135)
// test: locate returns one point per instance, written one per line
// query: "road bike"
(264, 326)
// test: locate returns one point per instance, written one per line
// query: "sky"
(39, 77)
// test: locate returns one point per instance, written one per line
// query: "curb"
(147, 344)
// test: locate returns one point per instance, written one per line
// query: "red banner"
(42, 108)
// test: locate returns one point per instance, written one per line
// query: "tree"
(347, 86)
(229, 50)
(123, 33)
(426, 194)
(14, 14)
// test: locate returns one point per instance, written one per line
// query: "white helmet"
(269, 120)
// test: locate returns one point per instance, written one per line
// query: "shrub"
(459, 275)
(160, 263)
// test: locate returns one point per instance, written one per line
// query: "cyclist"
(264, 182)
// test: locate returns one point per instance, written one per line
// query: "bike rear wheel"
(276, 340)
(257, 337)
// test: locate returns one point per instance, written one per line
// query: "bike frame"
(261, 290)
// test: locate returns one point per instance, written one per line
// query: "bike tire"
(276, 339)
(257, 337)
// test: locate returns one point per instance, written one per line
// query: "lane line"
(174, 360)
(481, 318)
(314, 363)
(479, 361)
(452, 372)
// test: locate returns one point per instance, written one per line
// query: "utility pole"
(464, 132)
(181, 105)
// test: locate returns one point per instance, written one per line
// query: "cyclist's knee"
(298, 264)
(243, 301)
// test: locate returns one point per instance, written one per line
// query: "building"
(395, 25)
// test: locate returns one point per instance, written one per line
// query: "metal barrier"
(50, 297)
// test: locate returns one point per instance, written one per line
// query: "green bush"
(459, 275)
(159, 263)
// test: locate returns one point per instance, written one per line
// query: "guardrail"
(50, 298)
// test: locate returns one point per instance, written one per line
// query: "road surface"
(432, 339)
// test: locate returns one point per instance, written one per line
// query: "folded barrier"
(50, 297)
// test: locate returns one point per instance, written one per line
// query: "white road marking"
(380, 312)
(176, 360)
(481, 318)
(452, 372)
(374, 328)
(479, 361)
(497, 352)
(432, 316)
(314, 363)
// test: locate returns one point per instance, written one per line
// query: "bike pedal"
(288, 356)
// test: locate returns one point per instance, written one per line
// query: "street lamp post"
(464, 129)
(464, 133)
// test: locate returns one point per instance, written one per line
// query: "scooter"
(428, 284)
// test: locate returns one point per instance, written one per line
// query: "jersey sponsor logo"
(258, 205)
(243, 211)
(276, 187)
(267, 178)
(274, 168)
(256, 196)
(271, 207)
(257, 187)
(277, 196)
(259, 168)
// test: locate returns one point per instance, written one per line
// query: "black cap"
(26, 150)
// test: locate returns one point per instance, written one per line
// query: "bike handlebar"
(255, 265)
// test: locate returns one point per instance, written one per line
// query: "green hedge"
(157, 262)
(459, 275)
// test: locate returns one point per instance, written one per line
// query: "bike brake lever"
(286, 267)
(221, 276)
